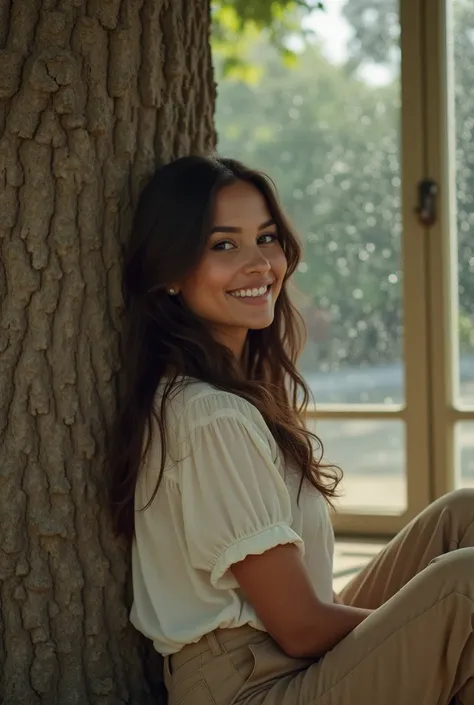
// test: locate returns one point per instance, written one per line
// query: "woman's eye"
(268, 238)
(222, 245)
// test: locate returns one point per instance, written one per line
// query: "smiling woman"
(216, 480)
(204, 286)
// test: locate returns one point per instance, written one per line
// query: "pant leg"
(416, 649)
(447, 524)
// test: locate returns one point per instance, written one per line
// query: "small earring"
(171, 291)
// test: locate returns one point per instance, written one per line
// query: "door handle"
(427, 202)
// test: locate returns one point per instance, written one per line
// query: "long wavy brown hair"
(163, 340)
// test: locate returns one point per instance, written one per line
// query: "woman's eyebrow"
(233, 229)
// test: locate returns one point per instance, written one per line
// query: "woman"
(216, 480)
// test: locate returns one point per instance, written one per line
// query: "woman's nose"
(257, 262)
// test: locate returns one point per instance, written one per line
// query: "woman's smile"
(252, 295)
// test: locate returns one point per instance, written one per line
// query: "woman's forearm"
(332, 623)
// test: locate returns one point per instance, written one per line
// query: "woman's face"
(238, 280)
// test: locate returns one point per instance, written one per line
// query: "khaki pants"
(416, 649)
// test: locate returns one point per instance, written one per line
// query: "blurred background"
(336, 103)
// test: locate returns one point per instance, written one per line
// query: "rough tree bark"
(93, 93)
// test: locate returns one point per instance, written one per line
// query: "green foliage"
(376, 30)
(331, 144)
(263, 13)
(466, 332)
(238, 23)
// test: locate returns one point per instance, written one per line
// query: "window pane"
(463, 47)
(372, 455)
(327, 131)
(464, 438)
(350, 556)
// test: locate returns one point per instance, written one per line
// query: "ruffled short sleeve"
(235, 502)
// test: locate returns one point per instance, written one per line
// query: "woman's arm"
(279, 589)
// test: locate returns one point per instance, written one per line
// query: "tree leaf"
(236, 22)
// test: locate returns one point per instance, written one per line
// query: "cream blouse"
(225, 494)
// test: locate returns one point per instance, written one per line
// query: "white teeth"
(242, 293)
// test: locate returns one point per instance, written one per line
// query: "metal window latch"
(427, 201)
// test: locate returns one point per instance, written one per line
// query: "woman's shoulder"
(198, 403)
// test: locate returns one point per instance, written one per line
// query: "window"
(378, 101)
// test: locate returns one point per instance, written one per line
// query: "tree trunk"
(92, 95)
